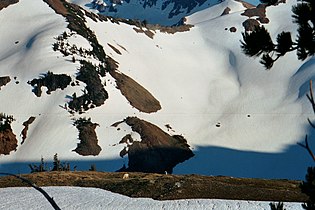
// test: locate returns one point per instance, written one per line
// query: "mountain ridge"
(227, 108)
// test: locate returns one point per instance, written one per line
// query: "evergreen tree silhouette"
(259, 43)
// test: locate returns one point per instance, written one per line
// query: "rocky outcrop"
(137, 95)
(4, 80)
(157, 152)
(88, 140)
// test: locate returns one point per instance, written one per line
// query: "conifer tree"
(278, 206)
(308, 187)
(259, 43)
(56, 163)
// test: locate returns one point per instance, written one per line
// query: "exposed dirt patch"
(157, 152)
(250, 24)
(149, 29)
(259, 12)
(8, 141)
(58, 6)
(246, 4)
(4, 80)
(114, 48)
(25, 129)
(88, 140)
(172, 29)
(170, 187)
(147, 32)
(6, 3)
(137, 95)
(233, 29)
(226, 11)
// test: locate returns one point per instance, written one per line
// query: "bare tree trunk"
(310, 97)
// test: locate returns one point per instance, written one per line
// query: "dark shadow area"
(168, 10)
(290, 164)
(83, 165)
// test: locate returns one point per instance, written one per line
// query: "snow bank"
(90, 198)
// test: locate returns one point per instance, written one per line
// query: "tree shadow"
(289, 164)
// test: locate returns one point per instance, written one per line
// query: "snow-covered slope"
(91, 198)
(239, 119)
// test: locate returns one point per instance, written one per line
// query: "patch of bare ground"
(246, 4)
(4, 80)
(226, 11)
(157, 152)
(6, 3)
(114, 48)
(137, 95)
(58, 6)
(171, 29)
(25, 129)
(147, 32)
(8, 141)
(259, 12)
(170, 187)
(88, 140)
(250, 24)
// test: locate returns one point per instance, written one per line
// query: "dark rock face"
(4, 80)
(88, 139)
(158, 152)
(51, 81)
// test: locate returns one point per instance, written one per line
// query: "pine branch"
(307, 147)
(311, 96)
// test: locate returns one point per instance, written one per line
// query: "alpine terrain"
(151, 86)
